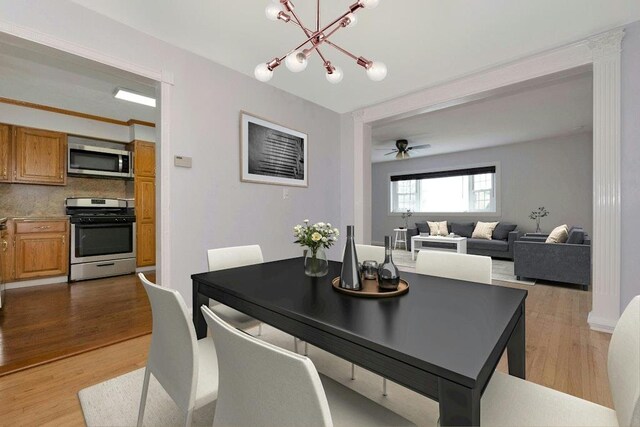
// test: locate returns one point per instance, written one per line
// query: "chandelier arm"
(362, 61)
(308, 33)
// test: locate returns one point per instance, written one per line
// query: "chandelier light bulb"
(369, 4)
(336, 76)
(377, 71)
(296, 61)
(273, 11)
(353, 20)
(262, 72)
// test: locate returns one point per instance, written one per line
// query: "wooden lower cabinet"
(146, 244)
(38, 248)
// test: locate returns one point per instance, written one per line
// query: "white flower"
(306, 221)
(316, 237)
(329, 224)
(324, 239)
(336, 231)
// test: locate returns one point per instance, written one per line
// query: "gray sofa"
(568, 262)
(500, 246)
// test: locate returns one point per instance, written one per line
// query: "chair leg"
(306, 349)
(353, 371)
(260, 329)
(189, 418)
(143, 399)
(384, 386)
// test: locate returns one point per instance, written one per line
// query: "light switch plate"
(182, 161)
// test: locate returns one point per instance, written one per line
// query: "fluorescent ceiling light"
(127, 95)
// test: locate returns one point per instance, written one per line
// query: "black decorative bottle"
(388, 273)
(350, 274)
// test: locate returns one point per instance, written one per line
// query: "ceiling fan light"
(272, 11)
(262, 72)
(369, 4)
(335, 76)
(296, 61)
(377, 71)
(402, 155)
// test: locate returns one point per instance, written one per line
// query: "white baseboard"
(36, 282)
(600, 325)
(143, 269)
(377, 243)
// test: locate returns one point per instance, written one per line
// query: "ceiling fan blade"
(420, 147)
(392, 152)
(385, 149)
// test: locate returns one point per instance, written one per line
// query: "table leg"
(517, 348)
(198, 318)
(459, 405)
(413, 249)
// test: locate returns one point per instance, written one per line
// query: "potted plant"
(405, 216)
(316, 238)
(541, 212)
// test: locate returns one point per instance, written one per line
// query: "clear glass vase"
(315, 263)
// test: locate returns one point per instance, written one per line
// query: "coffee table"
(460, 242)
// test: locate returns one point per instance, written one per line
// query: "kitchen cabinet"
(40, 156)
(6, 252)
(5, 153)
(145, 202)
(41, 248)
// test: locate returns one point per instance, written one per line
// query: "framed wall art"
(271, 153)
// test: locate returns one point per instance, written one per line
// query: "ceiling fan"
(402, 149)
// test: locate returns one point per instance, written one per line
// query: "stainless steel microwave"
(98, 161)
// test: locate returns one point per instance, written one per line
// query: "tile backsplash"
(26, 200)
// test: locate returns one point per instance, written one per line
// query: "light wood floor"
(562, 353)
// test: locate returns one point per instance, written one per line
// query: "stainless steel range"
(103, 237)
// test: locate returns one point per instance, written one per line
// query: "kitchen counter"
(40, 218)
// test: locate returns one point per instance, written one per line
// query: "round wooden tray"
(370, 289)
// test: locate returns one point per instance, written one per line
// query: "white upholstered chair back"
(264, 385)
(370, 253)
(236, 256)
(624, 365)
(173, 355)
(473, 268)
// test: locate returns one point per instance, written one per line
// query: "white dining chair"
(472, 268)
(510, 401)
(232, 257)
(265, 385)
(186, 368)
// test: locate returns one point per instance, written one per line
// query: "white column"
(605, 250)
(358, 176)
(163, 184)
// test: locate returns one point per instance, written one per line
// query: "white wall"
(555, 173)
(210, 207)
(630, 162)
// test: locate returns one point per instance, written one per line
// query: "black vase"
(350, 273)
(388, 273)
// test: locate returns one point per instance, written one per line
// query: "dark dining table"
(442, 339)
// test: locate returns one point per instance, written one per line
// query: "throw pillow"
(438, 228)
(422, 227)
(560, 234)
(462, 229)
(502, 231)
(576, 236)
(484, 230)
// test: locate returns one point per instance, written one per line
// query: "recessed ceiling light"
(128, 95)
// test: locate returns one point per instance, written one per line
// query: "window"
(462, 190)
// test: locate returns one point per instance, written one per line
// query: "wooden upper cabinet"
(5, 153)
(144, 159)
(40, 156)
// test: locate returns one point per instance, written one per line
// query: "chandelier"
(297, 58)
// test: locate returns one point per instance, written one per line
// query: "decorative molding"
(74, 113)
(602, 52)
(605, 45)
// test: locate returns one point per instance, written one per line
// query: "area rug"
(115, 402)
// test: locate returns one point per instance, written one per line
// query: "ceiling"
(423, 42)
(561, 108)
(41, 75)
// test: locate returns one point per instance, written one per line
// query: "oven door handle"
(120, 163)
(108, 264)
